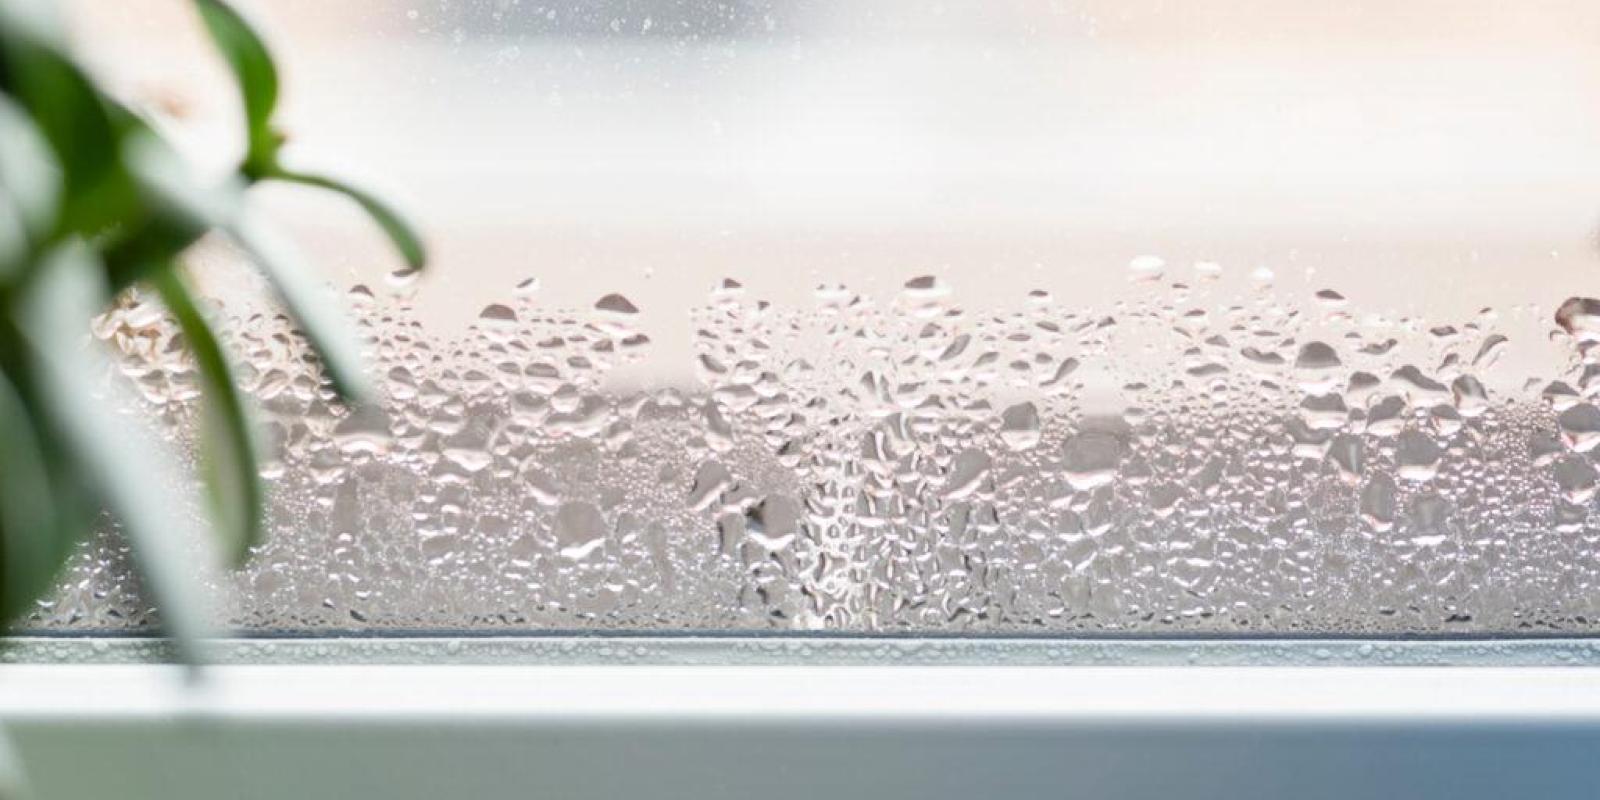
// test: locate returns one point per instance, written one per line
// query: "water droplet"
(1489, 352)
(926, 287)
(966, 473)
(1580, 317)
(1146, 269)
(580, 531)
(1090, 460)
(498, 321)
(1580, 427)
(403, 278)
(1317, 364)
(1379, 503)
(1348, 454)
(1317, 356)
(1418, 456)
(774, 523)
(1576, 478)
(363, 432)
(1019, 426)
(1470, 396)
(616, 304)
(710, 481)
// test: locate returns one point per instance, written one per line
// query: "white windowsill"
(778, 732)
(1096, 695)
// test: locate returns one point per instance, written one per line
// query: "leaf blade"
(72, 116)
(122, 460)
(253, 70)
(28, 172)
(228, 442)
(330, 332)
(13, 778)
(162, 174)
(402, 234)
(32, 521)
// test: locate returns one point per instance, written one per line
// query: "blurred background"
(1423, 156)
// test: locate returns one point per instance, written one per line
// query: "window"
(1021, 318)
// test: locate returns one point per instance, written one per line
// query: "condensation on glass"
(1094, 317)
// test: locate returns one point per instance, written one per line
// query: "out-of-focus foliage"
(93, 201)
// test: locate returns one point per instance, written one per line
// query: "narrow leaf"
(227, 443)
(13, 778)
(327, 328)
(28, 172)
(178, 210)
(72, 116)
(125, 463)
(13, 240)
(33, 541)
(161, 174)
(394, 225)
(253, 69)
(40, 21)
(169, 188)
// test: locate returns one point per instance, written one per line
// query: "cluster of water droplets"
(1184, 460)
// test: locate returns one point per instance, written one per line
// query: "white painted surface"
(779, 732)
(799, 693)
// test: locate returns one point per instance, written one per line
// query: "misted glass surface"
(1225, 317)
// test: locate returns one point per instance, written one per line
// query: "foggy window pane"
(1228, 317)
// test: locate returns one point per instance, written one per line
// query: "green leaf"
(39, 21)
(73, 118)
(164, 177)
(33, 541)
(169, 188)
(178, 210)
(13, 778)
(253, 69)
(228, 442)
(314, 308)
(13, 241)
(129, 469)
(399, 231)
(29, 175)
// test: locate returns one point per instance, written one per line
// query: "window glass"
(1226, 317)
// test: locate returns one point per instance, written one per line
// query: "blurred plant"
(94, 201)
